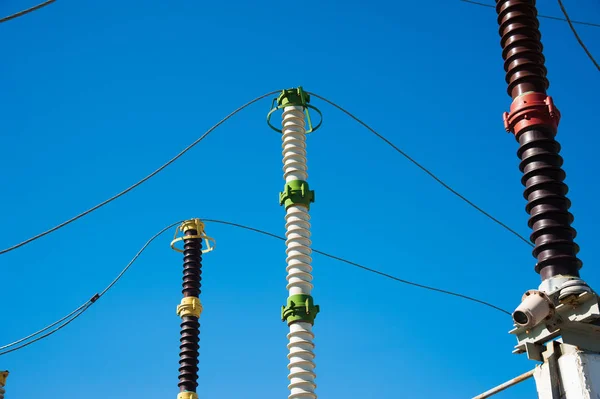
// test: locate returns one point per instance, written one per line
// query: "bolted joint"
(296, 192)
(190, 306)
(192, 224)
(299, 308)
(187, 395)
(529, 110)
(293, 97)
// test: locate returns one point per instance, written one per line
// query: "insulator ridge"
(521, 47)
(192, 270)
(188, 354)
(547, 204)
(190, 325)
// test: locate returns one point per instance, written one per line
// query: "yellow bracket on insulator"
(190, 306)
(3, 376)
(193, 224)
(187, 395)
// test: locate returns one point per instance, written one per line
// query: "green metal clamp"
(299, 308)
(296, 192)
(294, 97)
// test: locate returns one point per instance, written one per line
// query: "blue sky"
(98, 94)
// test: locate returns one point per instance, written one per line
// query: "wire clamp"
(198, 226)
(189, 306)
(531, 109)
(299, 308)
(296, 192)
(295, 98)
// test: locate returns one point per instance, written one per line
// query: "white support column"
(568, 373)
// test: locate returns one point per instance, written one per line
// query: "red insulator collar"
(531, 109)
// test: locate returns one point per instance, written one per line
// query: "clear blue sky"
(97, 94)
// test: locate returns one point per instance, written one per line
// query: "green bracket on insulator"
(300, 308)
(294, 98)
(296, 192)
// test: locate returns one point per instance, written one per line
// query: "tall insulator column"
(533, 119)
(190, 307)
(300, 310)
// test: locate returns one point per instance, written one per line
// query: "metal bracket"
(577, 321)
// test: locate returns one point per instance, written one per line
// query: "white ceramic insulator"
(302, 376)
(294, 144)
(301, 347)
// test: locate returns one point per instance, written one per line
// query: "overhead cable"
(424, 169)
(66, 320)
(403, 281)
(27, 11)
(583, 46)
(539, 15)
(139, 183)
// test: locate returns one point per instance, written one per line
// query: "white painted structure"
(576, 377)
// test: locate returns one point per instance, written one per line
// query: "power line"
(66, 320)
(80, 310)
(564, 11)
(45, 328)
(424, 169)
(176, 157)
(27, 11)
(426, 287)
(539, 16)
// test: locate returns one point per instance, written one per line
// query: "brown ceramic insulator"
(188, 354)
(521, 47)
(192, 269)
(190, 326)
(541, 163)
(547, 204)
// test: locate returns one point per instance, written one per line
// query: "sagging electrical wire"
(140, 182)
(27, 11)
(66, 320)
(539, 15)
(583, 46)
(368, 269)
(424, 169)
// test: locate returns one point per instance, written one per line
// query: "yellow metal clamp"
(193, 224)
(187, 395)
(190, 306)
(3, 376)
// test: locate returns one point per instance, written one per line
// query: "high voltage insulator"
(300, 310)
(190, 307)
(533, 119)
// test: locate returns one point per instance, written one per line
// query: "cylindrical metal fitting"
(534, 308)
(190, 326)
(541, 164)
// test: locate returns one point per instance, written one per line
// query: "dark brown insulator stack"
(190, 326)
(541, 164)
